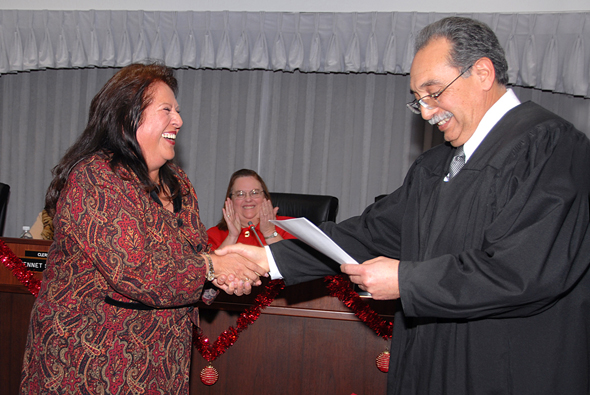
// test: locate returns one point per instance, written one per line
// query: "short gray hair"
(470, 40)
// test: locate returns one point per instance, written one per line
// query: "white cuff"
(272, 265)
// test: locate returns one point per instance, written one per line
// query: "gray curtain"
(303, 132)
(549, 51)
(347, 135)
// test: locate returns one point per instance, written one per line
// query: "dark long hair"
(241, 173)
(115, 114)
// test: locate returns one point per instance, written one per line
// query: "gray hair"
(470, 40)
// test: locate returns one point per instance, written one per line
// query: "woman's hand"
(266, 213)
(234, 226)
(240, 266)
(233, 286)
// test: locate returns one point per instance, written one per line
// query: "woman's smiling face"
(247, 208)
(159, 126)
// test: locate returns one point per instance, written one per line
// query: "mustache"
(439, 117)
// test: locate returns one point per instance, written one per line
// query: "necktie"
(457, 162)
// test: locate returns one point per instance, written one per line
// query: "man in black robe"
(487, 268)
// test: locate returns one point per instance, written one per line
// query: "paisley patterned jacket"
(115, 311)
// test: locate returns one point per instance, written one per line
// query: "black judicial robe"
(494, 279)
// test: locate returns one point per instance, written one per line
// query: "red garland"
(338, 286)
(19, 269)
(229, 337)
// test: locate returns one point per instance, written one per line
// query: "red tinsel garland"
(19, 269)
(338, 286)
(229, 337)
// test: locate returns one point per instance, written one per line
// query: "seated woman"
(247, 200)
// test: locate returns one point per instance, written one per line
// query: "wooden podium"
(305, 342)
(16, 303)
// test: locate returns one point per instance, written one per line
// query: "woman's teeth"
(171, 136)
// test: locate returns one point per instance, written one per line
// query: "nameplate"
(35, 260)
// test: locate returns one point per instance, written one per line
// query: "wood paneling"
(305, 342)
(292, 355)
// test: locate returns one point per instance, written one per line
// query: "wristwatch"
(210, 271)
(274, 234)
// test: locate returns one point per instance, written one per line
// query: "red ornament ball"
(209, 375)
(382, 361)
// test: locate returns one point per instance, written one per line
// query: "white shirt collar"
(506, 103)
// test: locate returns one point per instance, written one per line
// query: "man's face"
(461, 106)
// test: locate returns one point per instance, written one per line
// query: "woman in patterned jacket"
(130, 256)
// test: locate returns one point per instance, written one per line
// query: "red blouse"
(216, 235)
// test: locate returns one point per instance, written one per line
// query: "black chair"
(316, 208)
(4, 191)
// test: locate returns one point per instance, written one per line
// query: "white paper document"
(310, 234)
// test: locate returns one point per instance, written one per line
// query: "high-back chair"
(316, 208)
(4, 192)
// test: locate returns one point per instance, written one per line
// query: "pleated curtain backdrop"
(316, 106)
(549, 51)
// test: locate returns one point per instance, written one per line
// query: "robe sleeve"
(376, 232)
(533, 252)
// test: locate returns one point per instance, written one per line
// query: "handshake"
(238, 267)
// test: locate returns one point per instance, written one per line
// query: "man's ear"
(483, 70)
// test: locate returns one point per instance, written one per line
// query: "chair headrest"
(316, 208)
(4, 189)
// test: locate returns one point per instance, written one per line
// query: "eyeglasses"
(254, 193)
(430, 101)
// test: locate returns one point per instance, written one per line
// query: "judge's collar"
(506, 103)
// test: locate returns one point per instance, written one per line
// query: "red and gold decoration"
(338, 286)
(227, 339)
(209, 375)
(382, 361)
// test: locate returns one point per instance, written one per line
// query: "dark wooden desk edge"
(16, 240)
(14, 289)
(288, 311)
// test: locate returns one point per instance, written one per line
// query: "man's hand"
(256, 255)
(377, 276)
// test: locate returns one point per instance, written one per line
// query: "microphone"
(251, 225)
